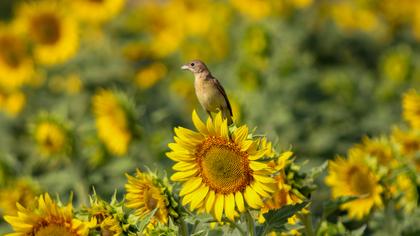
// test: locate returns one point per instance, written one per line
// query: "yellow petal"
(217, 122)
(183, 166)
(201, 127)
(255, 165)
(179, 156)
(240, 201)
(187, 199)
(240, 134)
(199, 195)
(252, 198)
(224, 130)
(218, 206)
(230, 206)
(264, 179)
(210, 127)
(190, 185)
(183, 175)
(257, 188)
(188, 135)
(246, 144)
(210, 201)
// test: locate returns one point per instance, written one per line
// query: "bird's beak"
(185, 67)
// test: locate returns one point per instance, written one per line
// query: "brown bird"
(209, 91)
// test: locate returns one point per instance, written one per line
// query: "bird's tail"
(228, 116)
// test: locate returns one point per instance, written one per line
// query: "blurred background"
(92, 89)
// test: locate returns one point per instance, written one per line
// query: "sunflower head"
(51, 136)
(114, 120)
(53, 32)
(354, 177)
(12, 102)
(408, 144)
(145, 192)
(221, 169)
(109, 217)
(378, 148)
(16, 66)
(22, 191)
(96, 11)
(411, 108)
(47, 218)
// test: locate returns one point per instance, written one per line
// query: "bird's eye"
(192, 64)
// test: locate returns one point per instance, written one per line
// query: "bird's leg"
(209, 112)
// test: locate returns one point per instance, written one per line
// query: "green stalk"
(307, 222)
(250, 224)
(183, 229)
(239, 228)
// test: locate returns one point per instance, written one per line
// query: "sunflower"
(96, 11)
(53, 32)
(378, 148)
(12, 102)
(405, 191)
(16, 66)
(411, 107)
(408, 143)
(144, 194)
(150, 75)
(352, 177)
(112, 121)
(51, 137)
(47, 218)
(221, 169)
(22, 191)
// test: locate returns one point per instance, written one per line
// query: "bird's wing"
(222, 91)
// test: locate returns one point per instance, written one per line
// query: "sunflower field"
(101, 132)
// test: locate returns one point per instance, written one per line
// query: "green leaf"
(276, 219)
(146, 220)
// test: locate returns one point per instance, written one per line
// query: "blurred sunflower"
(112, 120)
(16, 66)
(150, 75)
(12, 102)
(283, 194)
(352, 177)
(53, 32)
(253, 9)
(144, 195)
(96, 11)
(47, 218)
(22, 191)
(408, 143)
(51, 136)
(404, 190)
(378, 148)
(411, 108)
(221, 170)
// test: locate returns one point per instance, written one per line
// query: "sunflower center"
(223, 166)
(360, 181)
(150, 202)
(54, 230)
(45, 28)
(11, 51)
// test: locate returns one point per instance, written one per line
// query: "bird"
(210, 93)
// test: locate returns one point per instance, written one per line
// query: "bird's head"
(195, 66)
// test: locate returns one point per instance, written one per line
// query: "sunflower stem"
(239, 228)
(250, 223)
(307, 222)
(183, 229)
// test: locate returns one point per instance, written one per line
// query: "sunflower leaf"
(332, 205)
(146, 220)
(276, 219)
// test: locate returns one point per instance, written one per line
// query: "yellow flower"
(70, 84)
(150, 75)
(96, 11)
(53, 32)
(45, 219)
(378, 148)
(12, 102)
(283, 194)
(16, 66)
(112, 121)
(396, 64)
(105, 217)
(51, 137)
(222, 171)
(408, 144)
(350, 17)
(22, 191)
(352, 177)
(253, 9)
(144, 195)
(405, 191)
(411, 108)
